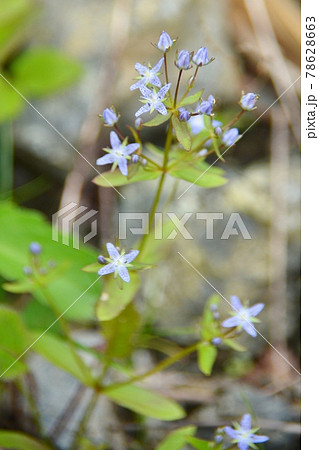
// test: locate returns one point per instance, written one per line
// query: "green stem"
(168, 142)
(234, 120)
(6, 160)
(177, 87)
(160, 366)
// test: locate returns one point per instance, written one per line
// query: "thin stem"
(191, 84)
(118, 131)
(177, 87)
(160, 366)
(85, 419)
(234, 120)
(165, 65)
(168, 142)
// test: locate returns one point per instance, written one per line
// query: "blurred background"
(72, 59)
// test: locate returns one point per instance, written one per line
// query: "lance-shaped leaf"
(157, 120)
(177, 439)
(145, 402)
(190, 99)
(202, 174)
(109, 179)
(182, 133)
(200, 444)
(21, 441)
(114, 300)
(206, 354)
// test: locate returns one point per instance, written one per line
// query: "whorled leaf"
(116, 179)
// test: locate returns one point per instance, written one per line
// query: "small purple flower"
(135, 159)
(201, 57)
(206, 107)
(216, 341)
(118, 154)
(197, 124)
(218, 131)
(183, 60)
(165, 42)
(148, 75)
(248, 101)
(35, 248)
(153, 100)
(184, 114)
(118, 262)
(101, 259)
(110, 117)
(243, 317)
(243, 435)
(230, 137)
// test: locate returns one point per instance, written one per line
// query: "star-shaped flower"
(118, 154)
(118, 262)
(148, 75)
(153, 100)
(243, 317)
(243, 435)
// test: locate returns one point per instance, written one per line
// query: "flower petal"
(131, 255)
(257, 439)
(157, 67)
(115, 141)
(140, 68)
(231, 322)
(246, 422)
(236, 303)
(243, 445)
(146, 92)
(122, 162)
(137, 85)
(143, 109)
(109, 268)
(130, 148)
(163, 91)
(231, 432)
(155, 81)
(249, 328)
(255, 309)
(123, 273)
(106, 159)
(161, 108)
(114, 254)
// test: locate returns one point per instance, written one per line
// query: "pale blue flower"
(118, 154)
(217, 341)
(230, 137)
(110, 117)
(118, 262)
(183, 114)
(243, 435)
(206, 107)
(165, 42)
(197, 124)
(183, 60)
(201, 57)
(243, 317)
(148, 75)
(153, 100)
(248, 101)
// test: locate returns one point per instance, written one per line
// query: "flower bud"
(201, 57)
(135, 159)
(230, 137)
(218, 131)
(165, 42)
(144, 162)
(138, 123)
(216, 341)
(110, 117)
(35, 248)
(183, 60)
(27, 270)
(101, 259)
(183, 114)
(203, 152)
(248, 101)
(206, 107)
(218, 438)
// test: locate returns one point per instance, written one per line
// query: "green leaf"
(58, 352)
(43, 71)
(157, 120)
(200, 444)
(207, 354)
(14, 339)
(21, 441)
(176, 440)
(202, 174)
(113, 299)
(11, 102)
(109, 179)
(19, 227)
(234, 345)
(20, 287)
(182, 133)
(190, 99)
(145, 402)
